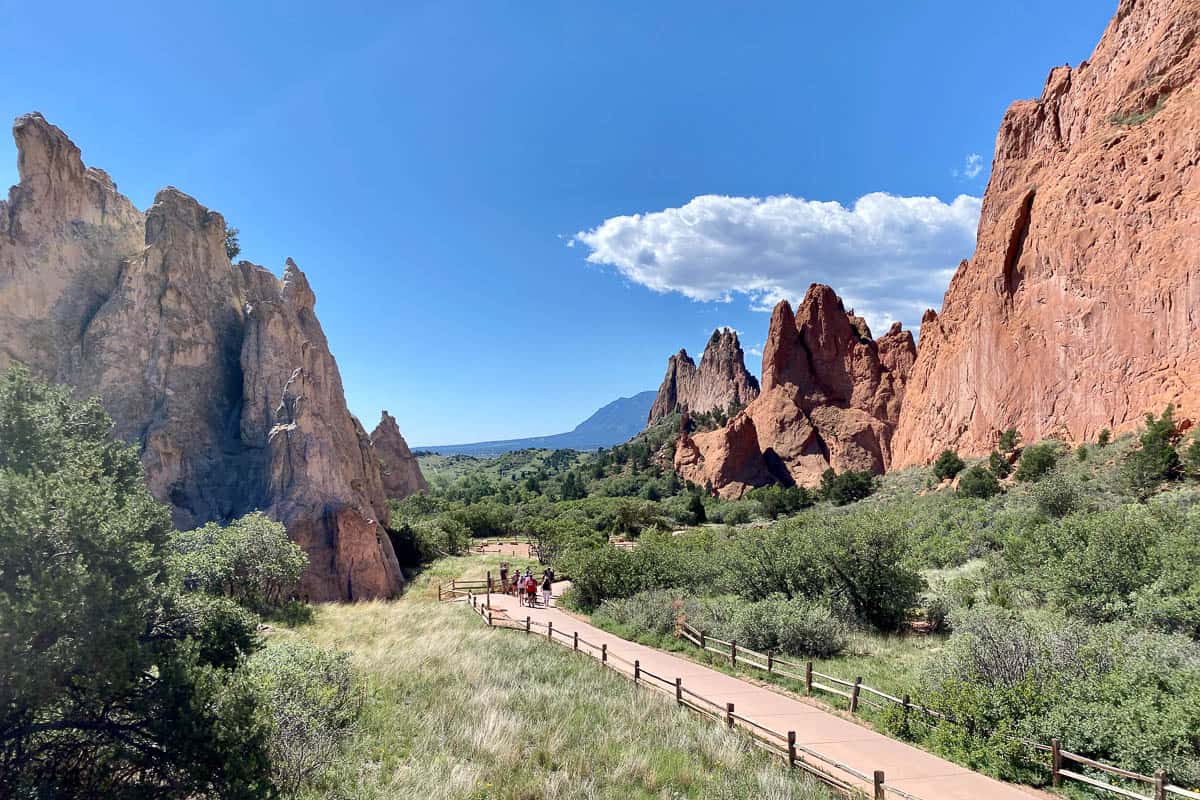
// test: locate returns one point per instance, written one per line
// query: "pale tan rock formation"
(720, 381)
(221, 373)
(399, 468)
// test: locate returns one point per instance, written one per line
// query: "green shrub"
(1057, 495)
(947, 465)
(978, 482)
(1104, 438)
(1009, 440)
(251, 560)
(314, 698)
(848, 487)
(696, 507)
(795, 627)
(779, 500)
(1036, 461)
(1191, 457)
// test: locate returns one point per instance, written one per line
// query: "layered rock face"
(831, 396)
(221, 373)
(1080, 309)
(721, 379)
(399, 469)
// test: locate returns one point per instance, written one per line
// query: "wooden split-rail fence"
(857, 694)
(836, 774)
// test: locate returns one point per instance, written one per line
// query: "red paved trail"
(906, 767)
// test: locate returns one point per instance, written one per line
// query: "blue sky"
(430, 166)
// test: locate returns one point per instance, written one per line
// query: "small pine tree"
(233, 247)
(1191, 458)
(978, 482)
(948, 465)
(1156, 460)
(999, 465)
(1104, 438)
(1009, 440)
(696, 509)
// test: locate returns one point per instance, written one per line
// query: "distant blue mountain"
(615, 423)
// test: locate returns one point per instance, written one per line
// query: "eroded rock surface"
(720, 381)
(401, 473)
(830, 397)
(220, 372)
(1078, 311)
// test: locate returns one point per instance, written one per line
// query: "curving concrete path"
(906, 767)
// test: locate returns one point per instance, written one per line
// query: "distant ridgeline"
(615, 423)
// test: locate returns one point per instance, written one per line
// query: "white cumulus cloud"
(889, 257)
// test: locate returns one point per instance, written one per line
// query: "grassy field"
(457, 710)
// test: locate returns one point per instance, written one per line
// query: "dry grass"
(457, 710)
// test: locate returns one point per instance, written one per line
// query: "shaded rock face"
(220, 372)
(399, 469)
(721, 379)
(1079, 309)
(831, 396)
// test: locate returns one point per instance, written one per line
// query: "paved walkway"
(906, 767)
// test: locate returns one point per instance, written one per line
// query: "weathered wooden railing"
(781, 744)
(853, 692)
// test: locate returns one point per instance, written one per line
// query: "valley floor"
(457, 710)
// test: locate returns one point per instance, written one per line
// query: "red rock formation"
(220, 372)
(1080, 309)
(831, 396)
(400, 470)
(721, 380)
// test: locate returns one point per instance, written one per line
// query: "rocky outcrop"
(720, 381)
(399, 468)
(1079, 309)
(831, 396)
(220, 372)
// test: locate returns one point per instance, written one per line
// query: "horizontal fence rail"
(830, 771)
(853, 692)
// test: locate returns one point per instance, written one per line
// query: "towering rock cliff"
(830, 397)
(220, 372)
(720, 380)
(399, 469)
(1080, 309)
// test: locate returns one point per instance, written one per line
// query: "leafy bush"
(113, 682)
(779, 500)
(251, 560)
(1057, 495)
(696, 507)
(848, 487)
(796, 627)
(1097, 688)
(978, 482)
(1008, 441)
(947, 465)
(1036, 461)
(314, 697)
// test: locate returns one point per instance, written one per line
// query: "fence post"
(907, 703)
(854, 695)
(770, 661)
(550, 630)
(637, 670)
(604, 653)
(733, 654)
(879, 785)
(1160, 785)
(489, 589)
(679, 691)
(1055, 763)
(576, 643)
(528, 622)
(439, 592)
(489, 619)
(454, 583)
(702, 640)
(791, 749)
(729, 715)
(808, 677)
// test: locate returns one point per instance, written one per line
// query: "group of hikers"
(525, 586)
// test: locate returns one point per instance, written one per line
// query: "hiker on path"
(530, 589)
(547, 585)
(504, 576)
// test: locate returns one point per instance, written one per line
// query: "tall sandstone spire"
(220, 372)
(830, 398)
(1080, 309)
(398, 467)
(720, 381)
